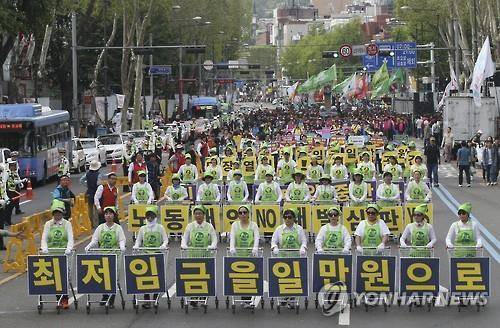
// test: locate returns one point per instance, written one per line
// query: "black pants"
(2, 225)
(125, 165)
(461, 169)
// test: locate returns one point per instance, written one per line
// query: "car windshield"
(88, 144)
(110, 140)
(137, 134)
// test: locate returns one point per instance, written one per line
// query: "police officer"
(108, 235)
(63, 163)
(58, 233)
(151, 235)
(333, 235)
(464, 232)
(371, 232)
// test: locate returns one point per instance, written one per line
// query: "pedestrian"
(463, 164)
(91, 178)
(64, 194)
(106, 195)
(137, 165)
(431, 151)
(447, 144)
(496, 162)
(13, 158)
(154, 174)
(420, 132)
(64, 166)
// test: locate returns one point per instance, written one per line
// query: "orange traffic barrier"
(122, 208)
(113, 166)
(29, 190)
(17, 249)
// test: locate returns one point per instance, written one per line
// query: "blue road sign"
(405, 56)
(160, 70)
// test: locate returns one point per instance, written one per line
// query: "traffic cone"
(29, 190)
(113, 166)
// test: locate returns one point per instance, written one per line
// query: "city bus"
(36, 132)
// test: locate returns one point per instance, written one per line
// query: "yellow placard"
(319, 216)
(237, 140)
(174, 217)
(213, 216)
(227, 165)
(303, 163)
(353, 215)
(208, 160)
(410, 157)
(410, 207)
(331, 157)
(320, 153)
(385, 157)
(248, 166)
(393, 217)
(304, 211)
(402, 151)
(136, 216)
(352, 154)
(229, 215)
(342, 190)
(267, 217)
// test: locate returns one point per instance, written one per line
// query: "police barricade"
(409, 208)
(288, 280)
(470, 277)
(195, 276)
(97, 272)
(145, 273)
(418, 276)
(332, 275)
(49, 275)
(15, 255)
(243, 279)
(375, 277)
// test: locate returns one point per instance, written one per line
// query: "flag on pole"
(292, 91)
(484, 68)
(380, 76)
(452, 85)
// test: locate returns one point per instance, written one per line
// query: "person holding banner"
(419, 232)
(371, 232)
(387, 192)
(289, 235)
(358, 189)
(175, 192)
(325, 192)
(214, 169)
(464, 232)
(394, 167)
(208, 191)
(58, 234)
(108, 235)
(199, 233)
(298, 190)
(237, 190)
(262, 168)
(142, 193)
(244, 234)
(269, 191)
(151, 235)
(338, 171)
(188, 172)
(366, 167)
(417, 190)
(333, 235)
(286, 167)
(314, 170)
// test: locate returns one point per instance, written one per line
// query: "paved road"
(16, 308)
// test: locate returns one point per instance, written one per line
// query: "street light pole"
(105, 67)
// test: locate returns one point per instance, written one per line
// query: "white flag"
(452, 85)
(484, 68)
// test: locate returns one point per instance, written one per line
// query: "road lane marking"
(72, 299)
(345, 317)
(171, 291)
(24, 202)
(256, 300)
(441, 300)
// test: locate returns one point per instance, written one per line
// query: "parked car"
(113, 144)
(94, 151)
(78, 162)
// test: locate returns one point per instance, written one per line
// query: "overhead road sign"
(160, 70)
(396, 54)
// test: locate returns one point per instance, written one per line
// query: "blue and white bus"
(36, 133)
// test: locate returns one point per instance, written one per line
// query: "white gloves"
(450, 246)
(359, 249)
(402, 243)
(255, 251)
(67, 251)
(276, 250)
(429, 245)
(87, 248)
(346, 250)
(122, 248)
(44, 250)
(135, 247)
(303, 250)
(2, 202)
(212, 247)
(319, 250)
(380, 247)
(232, 250)
(163, 247)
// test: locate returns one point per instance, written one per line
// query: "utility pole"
(74, 64)
(181, 84)
(457, 53)
(433, 75)
(151, 86)
(474, 31)
(105, 67)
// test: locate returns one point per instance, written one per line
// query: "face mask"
(152, 223)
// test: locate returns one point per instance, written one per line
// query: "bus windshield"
(21, 141)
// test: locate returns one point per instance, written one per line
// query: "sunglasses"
(288, 216)
(418, 214)
(333, 214)
(371, 212)
(242, 212)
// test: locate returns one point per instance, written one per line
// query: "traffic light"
(330, 54)
(195, 50)
(253, 66)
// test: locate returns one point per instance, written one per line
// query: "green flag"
(343, 85)
(316, 82)
(380, 76)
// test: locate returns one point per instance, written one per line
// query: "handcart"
(249, 302)
(195, 301)
(71, 258)
(155, 301)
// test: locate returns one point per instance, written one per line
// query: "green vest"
(187, 175)
(358, 191)
(244, 238)
(465, 237)
(209, 194)
(237, 191)
(315, 173)
(290, 239)
(269, 194)
(417, 191)
(213, 171)
(298, 192)
(152, 238)
(142, 193)
(420, 236)
(388, 191)
(325, 192)
(394, 170)
(261, 174)
(371, 236)
(200, 237)
(338, 173)
(366, 170)
(286, 171)
(333, 237)
(109, 238)
(58, 237)
(175, 193)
